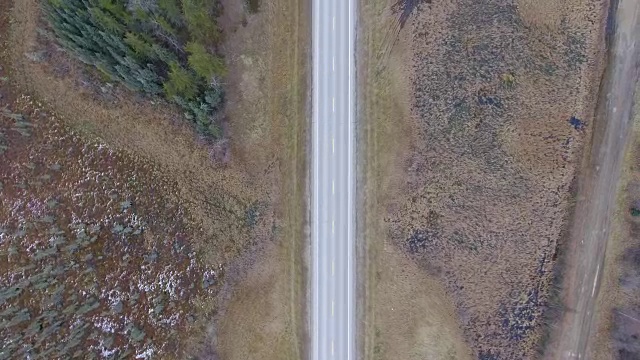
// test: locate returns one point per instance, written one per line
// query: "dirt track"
(600, 177)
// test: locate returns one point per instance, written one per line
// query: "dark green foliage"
(140, 46)
(117, 307)
(41, 254)
(137, 334)
(87, 307)
(153, 49)
(3, 147)
(200, 21)
(203, 63)
(181, 83)
(172, 10)
(11, 292)
(22, 316)
(125, 205)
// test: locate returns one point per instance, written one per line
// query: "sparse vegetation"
(635, 208)
(96, 260)
(164, 47)
(484, 183)
(253, 6)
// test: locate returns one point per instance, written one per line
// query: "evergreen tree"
(203, 63)
(172, 9)
(181, 83)
(144, 48)
(199, 21)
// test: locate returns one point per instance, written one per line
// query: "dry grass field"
(494, 102)
(241, 199)
(407, 314)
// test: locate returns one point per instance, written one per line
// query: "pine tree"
(172, 9)
(181, 83)
(199, 21)
(144, 48)
(203, 63)
(140, 47)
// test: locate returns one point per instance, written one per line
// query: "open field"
(494, 110)
(403, 312)
(242, 198)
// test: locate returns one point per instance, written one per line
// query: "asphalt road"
(333, 184)
(597, 194)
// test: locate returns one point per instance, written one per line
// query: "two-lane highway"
(333, 183)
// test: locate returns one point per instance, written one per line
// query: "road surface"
(333, 183)
(597, 193)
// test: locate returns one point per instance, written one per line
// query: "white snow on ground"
(105, 324)
(146, 354)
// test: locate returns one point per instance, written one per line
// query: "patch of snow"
(145, 286)
(169, 281)
(36, 207)
(104, 352)
(135, 222)
(146, 354)
(192, 264)
(171, 321)
(105, 324)
(114, 297)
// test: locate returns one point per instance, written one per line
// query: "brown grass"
(540, 13)
(265, 314)
(403, 313)
(484, 179)
(416, 307)
(258, 174)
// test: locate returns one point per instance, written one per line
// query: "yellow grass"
(265, 315)
(405, 314)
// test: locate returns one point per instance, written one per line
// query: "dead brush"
(404, 8)
(401, 10)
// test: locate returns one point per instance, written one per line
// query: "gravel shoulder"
(598, 186)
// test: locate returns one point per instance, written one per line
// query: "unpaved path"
(596, 195)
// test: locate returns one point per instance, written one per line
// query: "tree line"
(158, 47)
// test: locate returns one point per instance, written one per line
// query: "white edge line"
(350, 242)
(315, 342)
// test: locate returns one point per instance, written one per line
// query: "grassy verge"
(294, 169)
(368, 168)
(400, 304)
(266, 310)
